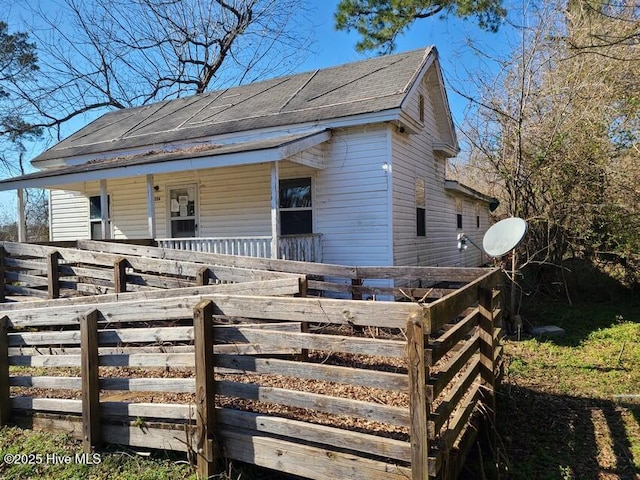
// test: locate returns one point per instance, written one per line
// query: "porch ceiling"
(155, 162)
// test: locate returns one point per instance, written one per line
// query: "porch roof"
(168, 161)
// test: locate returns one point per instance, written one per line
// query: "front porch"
(304, 248)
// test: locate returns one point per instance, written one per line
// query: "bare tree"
(104, 54)
(556, 133)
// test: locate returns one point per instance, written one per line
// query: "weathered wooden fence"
(322, 388)
(427, 283)
(51, 272)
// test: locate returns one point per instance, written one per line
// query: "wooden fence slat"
(310, 341)
(441, 345)
(246, 332)
(459, 420)
(90, 381)
(314, 371)
(5, 405)
(376, 314)
(453, 397)
(307, 461)
(452, 368)
(220, 259)
(28, 292)
(206, 448)
(27, 279)
(315, 401)
(419, 406)
(319, 434)
(444, 310)
(286, 286)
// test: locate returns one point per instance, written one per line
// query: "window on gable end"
(459, 213)
(421, 107)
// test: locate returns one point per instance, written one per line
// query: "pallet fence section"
(49, 272)
(355, 282)
(385, 390)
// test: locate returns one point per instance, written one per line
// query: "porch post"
(22, 219)
(151, 207)
(275, 209)
(104, 210)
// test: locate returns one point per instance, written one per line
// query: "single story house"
(344, 164)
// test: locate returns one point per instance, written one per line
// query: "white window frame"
(98, 221)
(299, 209)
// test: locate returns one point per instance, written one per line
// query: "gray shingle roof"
(362, 87)
(167, 161)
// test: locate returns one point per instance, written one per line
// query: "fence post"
(418, 404)
(3, 278)
(90, 380)
(5, 402)
(120, 275)
(356, 294)
(205, 397)
(202, 277)
(487, 354)
(53, 274)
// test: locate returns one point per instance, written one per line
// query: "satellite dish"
(504, 236)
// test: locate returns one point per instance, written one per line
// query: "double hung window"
(95, 216)
(296, 212)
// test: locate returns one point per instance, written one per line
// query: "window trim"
(299, 209)
(98, 221)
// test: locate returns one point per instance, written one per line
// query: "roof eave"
(456, 187)
(101, 172)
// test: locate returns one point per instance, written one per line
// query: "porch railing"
(307, 248)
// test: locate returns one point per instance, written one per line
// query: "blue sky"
(332, 47)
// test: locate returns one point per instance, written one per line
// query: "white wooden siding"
(350, 196)
(413, 158)
(69, 214)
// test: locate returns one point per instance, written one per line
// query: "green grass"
(564, 410)
(44, 454)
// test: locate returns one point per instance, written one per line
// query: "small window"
(421, 222)
(421, 212)
(478, 208)
(421, 107)
(296, 212)
(459, 213)
(95, 216)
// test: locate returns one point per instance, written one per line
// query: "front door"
(183, 211)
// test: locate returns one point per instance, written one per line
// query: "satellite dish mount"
(502, 238)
